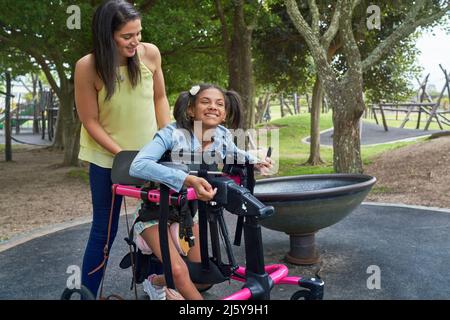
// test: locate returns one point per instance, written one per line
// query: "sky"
(435, 49)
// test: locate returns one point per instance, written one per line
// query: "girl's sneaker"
(154, 292)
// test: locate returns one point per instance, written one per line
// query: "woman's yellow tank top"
(128, 117)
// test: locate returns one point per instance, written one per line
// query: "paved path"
(410, 246)
(26, 137)
(374, 134)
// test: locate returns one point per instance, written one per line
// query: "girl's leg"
(194, 254)
(180, 272)
(100, 183)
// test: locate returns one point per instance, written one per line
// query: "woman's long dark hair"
(233, 107)
(110, 16)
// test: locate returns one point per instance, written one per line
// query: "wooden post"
(418, 117)
(423, 88)
(266, 110)
(296, 103)
(50, 116)
(7, 126)
(309, 103)
(375, 114)
(18, 115)
(35, 116)
(436, 106)
(288, 107)
(447, 80)
(410, 109)
(267, 117)
(383, 118)
(433, 114)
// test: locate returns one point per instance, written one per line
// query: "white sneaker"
(154, 292)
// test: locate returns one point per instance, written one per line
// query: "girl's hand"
(264, 166)
(203, 189)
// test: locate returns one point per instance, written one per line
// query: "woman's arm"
(87, 106)
(162, 109)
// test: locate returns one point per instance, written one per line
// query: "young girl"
(208, 106)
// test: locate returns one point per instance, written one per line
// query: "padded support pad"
(121, 167)
(201, 276)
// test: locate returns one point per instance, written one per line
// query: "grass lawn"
(293, 153)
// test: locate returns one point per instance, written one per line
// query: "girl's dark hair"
(185, 100)
(110, 16)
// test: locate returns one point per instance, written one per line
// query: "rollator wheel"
(305, 294)
(85, 293)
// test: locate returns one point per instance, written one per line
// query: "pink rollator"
(234, 194)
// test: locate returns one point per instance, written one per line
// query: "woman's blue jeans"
(101, 184)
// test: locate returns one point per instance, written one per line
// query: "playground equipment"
(42, 111)
(433, 109)
(305, 204)
(234, 185)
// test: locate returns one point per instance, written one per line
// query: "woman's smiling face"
(128, 38)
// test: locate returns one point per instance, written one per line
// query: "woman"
(121, 102)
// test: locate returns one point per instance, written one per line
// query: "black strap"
(203, 223)
(203, 233)
(249, 183)
(250, 177)
(163, 236)
(238, 232)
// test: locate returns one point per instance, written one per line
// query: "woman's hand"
(203, 189)
(264, 166)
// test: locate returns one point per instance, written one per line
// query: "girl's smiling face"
(209, 108)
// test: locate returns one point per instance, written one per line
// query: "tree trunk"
(34, 79)
(263, 105)
(314, 148)
(348, 107)
(7, 119)
(69, 126)
(58, 140)
(240, 67)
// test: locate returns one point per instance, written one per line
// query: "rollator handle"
(238, 200)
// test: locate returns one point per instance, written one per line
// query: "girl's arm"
(145, 165)
(162, 109)
(87, 106)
